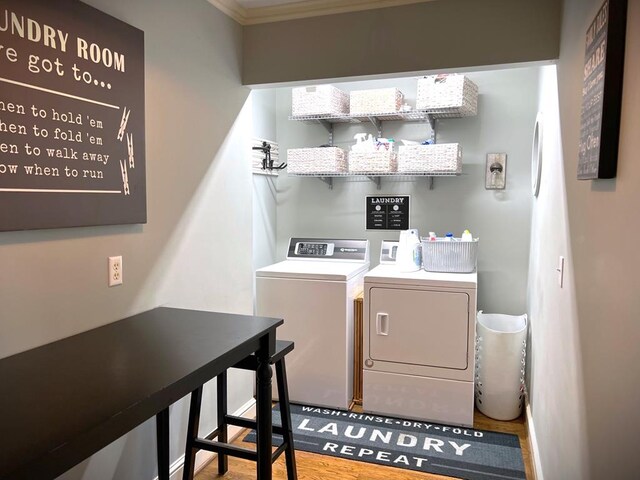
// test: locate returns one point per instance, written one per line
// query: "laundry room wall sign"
(602, 92)
(387, 212)
(72, 146)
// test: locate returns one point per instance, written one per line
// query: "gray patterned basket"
(453, 256)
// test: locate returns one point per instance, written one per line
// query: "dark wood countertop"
(64, 401)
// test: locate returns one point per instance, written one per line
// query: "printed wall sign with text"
(387, 212)
(72, 146)
(602, 92)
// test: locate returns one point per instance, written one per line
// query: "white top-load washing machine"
(419, 340)
(313, 291)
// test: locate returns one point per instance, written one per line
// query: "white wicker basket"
(373, 162)
(440, 158)
(380, 100)
(316, 160)
(447, 96)
(319, 100)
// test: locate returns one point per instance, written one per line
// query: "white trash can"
(501, 347)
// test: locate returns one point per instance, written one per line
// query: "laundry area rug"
(425, 447)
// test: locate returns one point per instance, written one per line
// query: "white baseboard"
(203, 457)
(533, 443)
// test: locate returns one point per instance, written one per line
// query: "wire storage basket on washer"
(450, 256)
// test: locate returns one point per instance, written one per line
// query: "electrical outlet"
(115, 271)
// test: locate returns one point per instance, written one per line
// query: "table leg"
(263, 407)
(162, 438)
(192, 434)
(223, 462)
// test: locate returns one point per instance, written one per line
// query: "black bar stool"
(221, 446)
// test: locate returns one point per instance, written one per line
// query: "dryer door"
(419, 327)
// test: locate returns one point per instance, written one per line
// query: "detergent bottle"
(409, 255)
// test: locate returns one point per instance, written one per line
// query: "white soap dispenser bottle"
(409, 255)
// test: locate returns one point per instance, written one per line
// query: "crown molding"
(232, 9)
(302, 9)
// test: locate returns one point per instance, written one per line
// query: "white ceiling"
(263, 3)
(248, 12)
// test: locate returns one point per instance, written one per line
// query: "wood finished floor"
(312, 466)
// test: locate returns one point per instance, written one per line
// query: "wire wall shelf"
(408, 116)
(375, 177)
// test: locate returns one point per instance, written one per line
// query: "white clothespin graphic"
(123, 123)
(132, 163)
(125, 177)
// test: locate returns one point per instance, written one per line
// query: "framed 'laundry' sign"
(602, 92)
(72, 146)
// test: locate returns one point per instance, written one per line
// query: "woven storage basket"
(319, 100)
(373, 162)
(439, 158)
(316, 160)
(447, 96)
(380, 100)
(453, 256)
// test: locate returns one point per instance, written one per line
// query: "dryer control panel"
(388, 252)
(328, 249)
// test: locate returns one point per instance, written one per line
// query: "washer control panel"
(328, 249)
(314, 249)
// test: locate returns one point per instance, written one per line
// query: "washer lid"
(313, 270)
(390, 274)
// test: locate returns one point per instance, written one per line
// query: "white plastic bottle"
(466, 236)
(409, 255)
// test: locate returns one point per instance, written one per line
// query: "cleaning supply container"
(449, 255)
(501, 342)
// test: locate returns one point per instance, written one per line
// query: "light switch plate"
(560, 271)
(496, 171)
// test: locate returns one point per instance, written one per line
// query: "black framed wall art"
(72, 138)
(602, 92)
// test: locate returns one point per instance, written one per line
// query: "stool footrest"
(226, 449)
(213, 434)
(244, 423)
(279, 451)
(233, 451)
(240, 422)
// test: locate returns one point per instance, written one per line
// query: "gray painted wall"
(584, 359)
(264, 187)
(599, 356)
(554, 368)
(195, 249)
(507, 108)
(434, 35)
